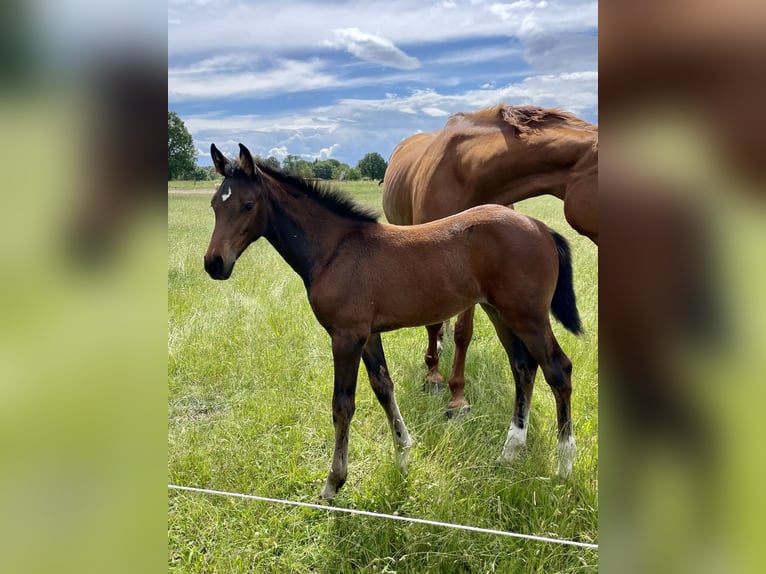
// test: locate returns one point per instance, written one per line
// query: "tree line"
(182, 161)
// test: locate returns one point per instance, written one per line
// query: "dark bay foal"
(363, 277)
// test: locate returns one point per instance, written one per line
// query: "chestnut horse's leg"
(463, 334)
(524, 369)
(383, 387)
(434, 381)
(346, 352)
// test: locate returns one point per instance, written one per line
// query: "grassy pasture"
(250, 387)
(186, 185)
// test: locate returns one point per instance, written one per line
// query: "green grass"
(180, 185)
(250, 388)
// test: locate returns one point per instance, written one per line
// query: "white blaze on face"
(226, 194)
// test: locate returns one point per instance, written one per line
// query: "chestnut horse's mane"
(525, 119)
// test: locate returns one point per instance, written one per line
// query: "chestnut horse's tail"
(564, 304)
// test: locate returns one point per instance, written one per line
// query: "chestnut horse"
(363, 277)
(502, 154)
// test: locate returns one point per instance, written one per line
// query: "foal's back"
(481, 247)
(407, 276)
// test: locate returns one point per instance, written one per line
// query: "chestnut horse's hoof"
(434, 382)
(434, 387)
(455, 413)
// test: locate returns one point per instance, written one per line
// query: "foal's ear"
(219, 160)
(246, 161)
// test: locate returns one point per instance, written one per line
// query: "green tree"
(202, 173)
(321, 170)
(272, 161)
(324, 169)
(372, 165)
(297, 166)
(349, 173)
(290, 163)
(341, 168)
(182, 158)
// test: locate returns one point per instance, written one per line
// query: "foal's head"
(240, 216)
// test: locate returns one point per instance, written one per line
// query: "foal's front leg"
(383, 387)
(346, 352)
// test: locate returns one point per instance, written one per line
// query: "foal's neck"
(304, 233)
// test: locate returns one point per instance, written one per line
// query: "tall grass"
(250, 388)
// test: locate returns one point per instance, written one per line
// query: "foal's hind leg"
(557, 369)
(538, 339)
(383, 387)
(524, 369)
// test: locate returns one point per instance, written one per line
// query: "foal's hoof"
(433, 387)
(403, 459)
(332, 486)
(455, 413)
(327, 494)
(566, 448)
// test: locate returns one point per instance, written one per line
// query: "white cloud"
(374, 49)
(435, 112)
(523, 52)
(278, 152)
(215, 78)
(565, 52)
(224, 76)
(475, 55)
(219, 63)
(250, 124)
(506, 11)
(303, 25)
(526, 17)
(577, 92)
(326, 153)
(357, 126)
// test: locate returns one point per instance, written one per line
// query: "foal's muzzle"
(215, 267)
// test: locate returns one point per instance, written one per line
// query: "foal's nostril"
(214, 266)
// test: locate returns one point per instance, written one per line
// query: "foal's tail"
(564, 304)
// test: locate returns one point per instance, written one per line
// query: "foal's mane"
(525, 119)
(324, 194)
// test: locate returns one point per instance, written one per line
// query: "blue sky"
(343, 78)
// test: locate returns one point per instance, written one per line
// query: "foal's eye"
(248, 207)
